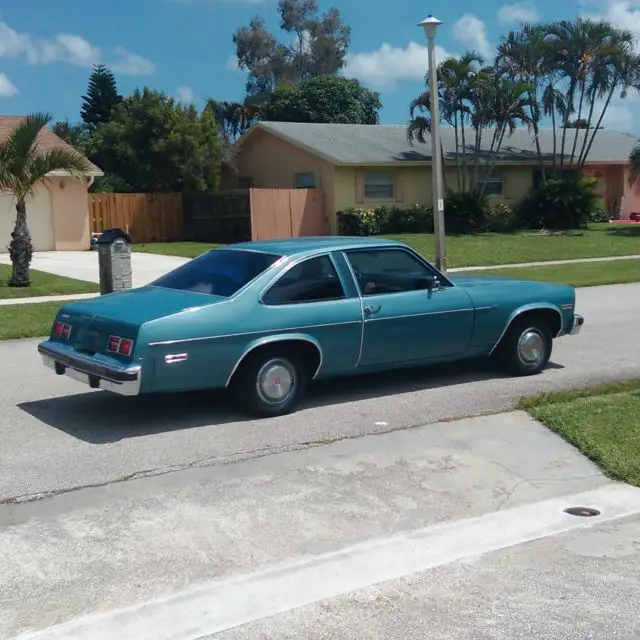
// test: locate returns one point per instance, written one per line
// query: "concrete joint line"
(230, 603)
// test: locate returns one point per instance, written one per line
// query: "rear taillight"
(62, 330)
(123, 346)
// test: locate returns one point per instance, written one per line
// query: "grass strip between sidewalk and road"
(602, 422)
(581, 274)
(600, 240)
(43, 284)
(33, 320)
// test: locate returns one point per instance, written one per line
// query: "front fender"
(532, 306)
(272, 339)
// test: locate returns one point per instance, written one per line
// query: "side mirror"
(434, 283)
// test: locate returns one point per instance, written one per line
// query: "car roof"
(293, 246)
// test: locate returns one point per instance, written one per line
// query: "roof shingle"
(361, 144)
(47, 140)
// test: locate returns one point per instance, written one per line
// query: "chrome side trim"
(172, 358)
(274, 340)
(124, 380)
(519, 313)
(163, 343)
(420, 315)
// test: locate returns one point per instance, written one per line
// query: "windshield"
(220, 272)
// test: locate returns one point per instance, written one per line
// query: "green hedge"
(463, 214)
(555, 204)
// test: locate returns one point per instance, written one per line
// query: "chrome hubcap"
(275, 382)
(531, 346)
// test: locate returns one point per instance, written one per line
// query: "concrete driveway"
(83, 265)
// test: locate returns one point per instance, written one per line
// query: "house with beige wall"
(373, 165)
(58, 210)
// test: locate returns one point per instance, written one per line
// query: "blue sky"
(184, 47)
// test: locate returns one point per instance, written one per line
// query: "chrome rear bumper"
(578, 321)
(123, 380)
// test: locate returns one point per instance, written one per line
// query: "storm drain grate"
(584, 512)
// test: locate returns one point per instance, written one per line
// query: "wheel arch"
(313, 350)
(551, 312)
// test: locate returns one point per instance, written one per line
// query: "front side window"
(378, 185)
(313, 280)
(221, 272)
(381, 271)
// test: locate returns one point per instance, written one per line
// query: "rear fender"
(274, 339)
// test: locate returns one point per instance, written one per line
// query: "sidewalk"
(497, 267)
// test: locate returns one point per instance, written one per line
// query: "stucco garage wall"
(70, 202)
(39, 219)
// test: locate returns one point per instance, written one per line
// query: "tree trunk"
(565, 123)
(597, 127)
(465, 168)
(577, 131)
(555, 139)
(20, 248)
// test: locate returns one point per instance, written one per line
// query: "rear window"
(220, 272)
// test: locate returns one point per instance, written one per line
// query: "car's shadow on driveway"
(99, 417)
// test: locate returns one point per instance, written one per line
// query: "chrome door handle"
(371, 309)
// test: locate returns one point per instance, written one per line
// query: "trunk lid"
(121, 314)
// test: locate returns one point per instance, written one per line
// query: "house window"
(493, 185)
(305, 180)
(378, 185)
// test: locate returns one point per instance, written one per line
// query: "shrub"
(382, 220)
(600, 213)
(358, 222)
(501, 218)
(560, 203)
(465, 212)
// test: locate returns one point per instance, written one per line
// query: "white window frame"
(496, 178)
(379, 179)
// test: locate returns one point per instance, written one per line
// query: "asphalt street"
(58, 435)
(370, 513)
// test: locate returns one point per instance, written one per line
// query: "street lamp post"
(430, 26)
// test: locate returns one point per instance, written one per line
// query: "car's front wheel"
(526, 347)
(271, 382)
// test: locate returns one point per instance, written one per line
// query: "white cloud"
(185, 94)
(471, 32)
(517, 13)
(7, 88)
(67, 48)
(385, 66)
(131, 64)
(621, 14)
(232, 64)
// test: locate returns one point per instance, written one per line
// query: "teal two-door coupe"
(266, 318)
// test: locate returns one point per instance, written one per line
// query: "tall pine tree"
(102, 97)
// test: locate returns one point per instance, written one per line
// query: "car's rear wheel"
(271, 382)
(526, 347)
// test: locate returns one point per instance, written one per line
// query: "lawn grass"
(603, 422)
(583, 274)
(43, 284)
(27, 320)
(486, 249)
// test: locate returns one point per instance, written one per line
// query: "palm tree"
(22, 167)
(634, 165)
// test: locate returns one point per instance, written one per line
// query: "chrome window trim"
(295, 263)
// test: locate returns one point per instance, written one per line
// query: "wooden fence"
(222, 216)
(148, 217)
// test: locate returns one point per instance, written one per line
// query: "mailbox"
(114, 259)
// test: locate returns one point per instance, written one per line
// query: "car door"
(404, 320)
(311, 299)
